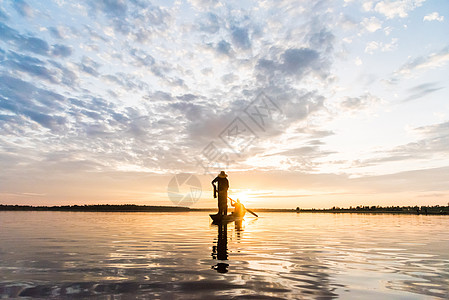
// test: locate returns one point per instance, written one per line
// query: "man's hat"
(222, 174)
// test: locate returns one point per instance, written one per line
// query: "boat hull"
(216, 218)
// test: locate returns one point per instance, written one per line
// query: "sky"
(303, 103)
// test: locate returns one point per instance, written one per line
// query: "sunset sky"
(106, 101)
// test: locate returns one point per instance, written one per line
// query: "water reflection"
(220, 249)
(287, 256)
(238, 228)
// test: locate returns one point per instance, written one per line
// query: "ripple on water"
(182, 256)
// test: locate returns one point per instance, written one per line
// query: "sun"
(242, 196)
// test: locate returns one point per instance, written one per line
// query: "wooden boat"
(225, 219)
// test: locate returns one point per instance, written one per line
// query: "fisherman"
(222, 188)
(239, 209)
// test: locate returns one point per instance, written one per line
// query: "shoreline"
(409, 210)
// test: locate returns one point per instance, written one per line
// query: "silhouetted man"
(239, 209)
(222, 188)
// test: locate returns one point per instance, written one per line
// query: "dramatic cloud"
(118, 90)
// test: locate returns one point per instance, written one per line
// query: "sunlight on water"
(182, 255)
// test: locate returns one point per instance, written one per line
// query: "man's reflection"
(220, 251)
(238, 229)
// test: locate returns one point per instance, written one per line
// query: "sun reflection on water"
(276, 255)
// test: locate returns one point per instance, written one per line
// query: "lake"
(184, 256)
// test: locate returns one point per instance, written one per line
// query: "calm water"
(183, 256)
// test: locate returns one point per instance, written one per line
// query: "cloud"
(240, 37)
(210, 23)
(229, 78)
(56, 32)
(3, 15)
(127, 81)
(142, 58)
(371, 24)
(409, 181)
(131, 86)
(135, 19)
(118, 101)
(224, 47)
(373, 46)
(61, 50)
(296, 60)
(22, 42)
(423, 63)
(24, 99)
(434, 142)
(65, 75)
(115, 8)
(23, 8)
(435, 16)
(51, 122)
(33, 44)
(422, 90)
(359, 103)
(312, 151)
(7, 33)
(32, 66)
(292, 62)
(435, 131)
(204, 4)
(89, 66)
(392, 9)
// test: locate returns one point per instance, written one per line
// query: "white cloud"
(400, 8)
(372, 24)
(433, 17)
(388, 30)
(424, 63)
(390, 46)
(365, 101)
(368, 5)
(372, 46)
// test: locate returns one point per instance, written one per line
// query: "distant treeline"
(424, 210)
(97, 208)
